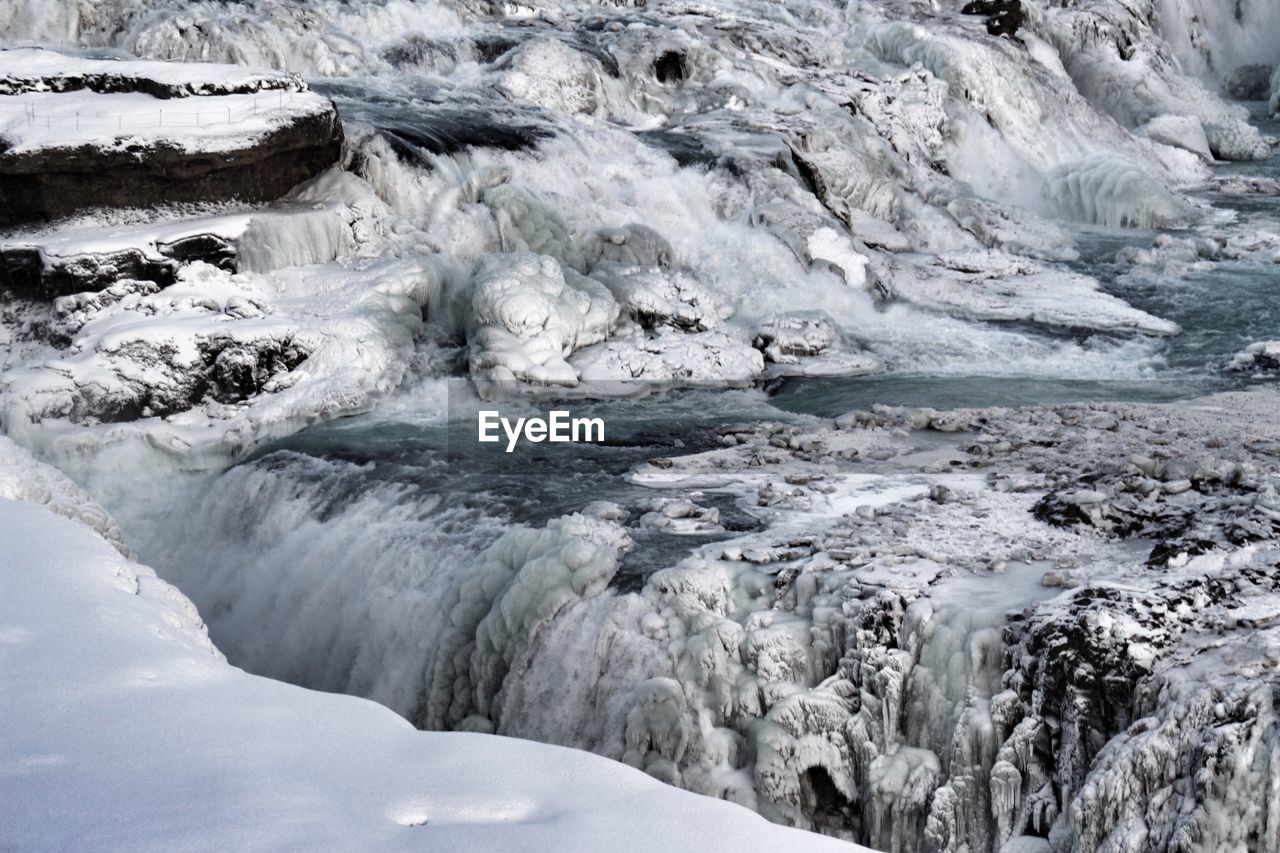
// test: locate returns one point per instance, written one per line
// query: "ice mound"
(524, 319)
(1262, 358)
(1115, 193)
(553, 75)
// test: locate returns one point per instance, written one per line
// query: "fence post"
(77, 121)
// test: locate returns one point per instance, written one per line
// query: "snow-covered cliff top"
(37, 69)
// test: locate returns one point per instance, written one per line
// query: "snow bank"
(162, 744)
(40, 70)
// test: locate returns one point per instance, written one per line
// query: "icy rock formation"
(524, 319)
(1119, 60)
(1260, 358)
(671, 357)
(990, 286)
(518, 587)
(217, 362)
(809, 343)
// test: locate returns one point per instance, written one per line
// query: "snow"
(714, 192)
(39, 69)
(126, 729)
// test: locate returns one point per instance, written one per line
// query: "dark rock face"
(228, 371)
(1248, 83)
(47, 184)
(1004, 17)
(669, 67)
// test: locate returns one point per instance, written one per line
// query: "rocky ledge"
(77, 134)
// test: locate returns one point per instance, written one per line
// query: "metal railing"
(162, 117)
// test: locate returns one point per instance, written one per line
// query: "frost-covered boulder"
(670, 357)
(654, 297)
(553, 75)
(1260, 358)
(809, 343)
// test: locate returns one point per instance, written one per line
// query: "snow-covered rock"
(1260, 358)
(76, 134)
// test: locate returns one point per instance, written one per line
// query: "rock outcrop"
(77, 138)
